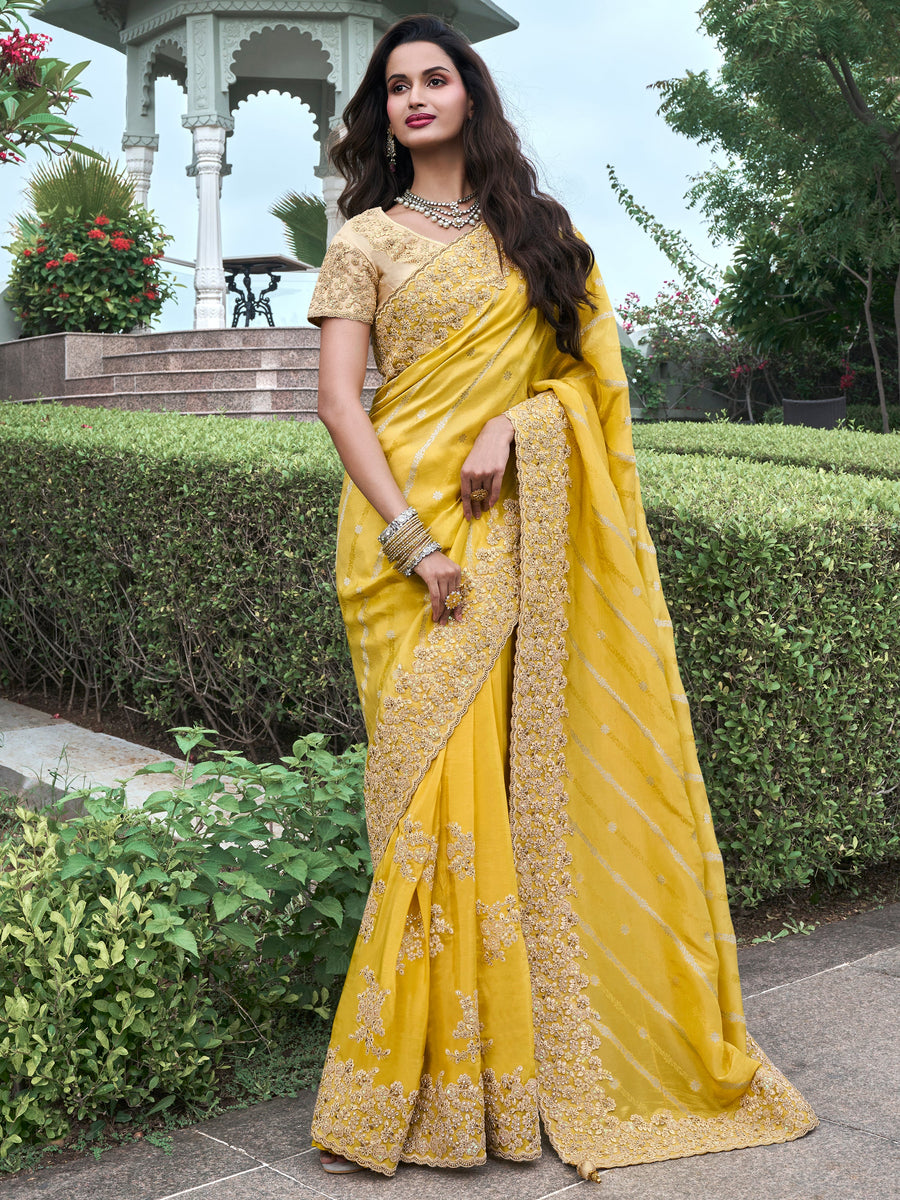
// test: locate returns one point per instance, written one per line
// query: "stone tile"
(773, 964)
(261, 1184)
(272, 1130)
(496, 1180)
(885, 962)
(137, 1171)
(20, 716)
(831, 1163)
(886, 918)
(30, 757)
(835, 1037)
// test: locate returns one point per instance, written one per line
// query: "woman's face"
(427, 103)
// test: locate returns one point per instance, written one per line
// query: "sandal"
(339, 1165)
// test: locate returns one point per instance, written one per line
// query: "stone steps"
(230, 401)
(236, 372)
(218, 381)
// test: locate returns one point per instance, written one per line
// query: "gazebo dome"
(221, 52)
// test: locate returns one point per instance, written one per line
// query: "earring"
(392, 152)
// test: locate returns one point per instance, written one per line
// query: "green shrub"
(178, 566)
(136, 944)
(828, 449)
(73, 271)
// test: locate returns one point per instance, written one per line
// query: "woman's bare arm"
(342, 371)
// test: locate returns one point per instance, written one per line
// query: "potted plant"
(817, 412)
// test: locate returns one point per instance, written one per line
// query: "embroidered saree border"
(576, 1105)
(433, 692)
(444, 1124)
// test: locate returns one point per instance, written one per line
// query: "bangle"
(396, 525)
(406, 541)
(430, 548)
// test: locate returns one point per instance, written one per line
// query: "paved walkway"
(825, 1007)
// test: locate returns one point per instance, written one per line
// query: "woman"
(547, 933)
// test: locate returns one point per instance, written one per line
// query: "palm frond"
(81, 187)
(306, 226)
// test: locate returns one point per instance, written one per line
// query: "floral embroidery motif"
(450, 665)
(370, 912)
(460, 852)
(347, 286)
(499, 927)
(436, 300)
(388, 237)
(368, 1015)
(469, 1030)
(438, 1125)
(415, 847)
(438, 926)
(412, 944)
(354, 1115)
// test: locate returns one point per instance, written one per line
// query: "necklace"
(446, 213)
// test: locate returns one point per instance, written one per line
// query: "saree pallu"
(547, 938)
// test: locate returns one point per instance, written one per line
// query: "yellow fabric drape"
(592, 920)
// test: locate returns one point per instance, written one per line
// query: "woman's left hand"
(485, 466)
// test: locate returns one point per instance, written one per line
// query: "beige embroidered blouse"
(369, 258)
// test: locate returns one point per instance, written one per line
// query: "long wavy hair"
(534, 230)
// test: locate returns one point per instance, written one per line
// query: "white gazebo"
(223, 51)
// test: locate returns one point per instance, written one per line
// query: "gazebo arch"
(211, 49)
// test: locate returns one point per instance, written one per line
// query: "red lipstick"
(419, 120)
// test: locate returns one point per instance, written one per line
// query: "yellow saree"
(547, 938)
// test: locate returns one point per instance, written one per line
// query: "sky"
(575, 78)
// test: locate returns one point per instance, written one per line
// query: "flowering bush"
(36, 92)
(682, 328)
(71, 274)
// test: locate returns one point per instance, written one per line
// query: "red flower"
(135, 299)
(63, 295)
(51, 262)
(101, 220)
(27, 253)
(120, 242)
(96, 233)
(69, 256)
(39, 249)
(151, 293)
(149, 261)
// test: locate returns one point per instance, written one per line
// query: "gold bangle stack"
(406, 541)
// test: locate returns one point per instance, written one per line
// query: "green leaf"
(330, 907)
(184, 938)
(239, 933)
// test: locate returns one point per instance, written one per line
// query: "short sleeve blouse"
(369, 258)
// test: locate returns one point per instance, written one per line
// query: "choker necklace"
(446, 213)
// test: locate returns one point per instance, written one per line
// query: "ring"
(478, 494)
(454, 600)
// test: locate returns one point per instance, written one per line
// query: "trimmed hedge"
(179, 566)
(860, 453)
(192, 562)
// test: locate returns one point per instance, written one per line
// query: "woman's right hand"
(442, 576)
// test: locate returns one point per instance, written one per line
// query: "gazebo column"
(209, 118)
(139, 152)
(140, 141)
(209, 276)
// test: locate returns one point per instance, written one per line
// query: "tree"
(807, 110)
(36, 92)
